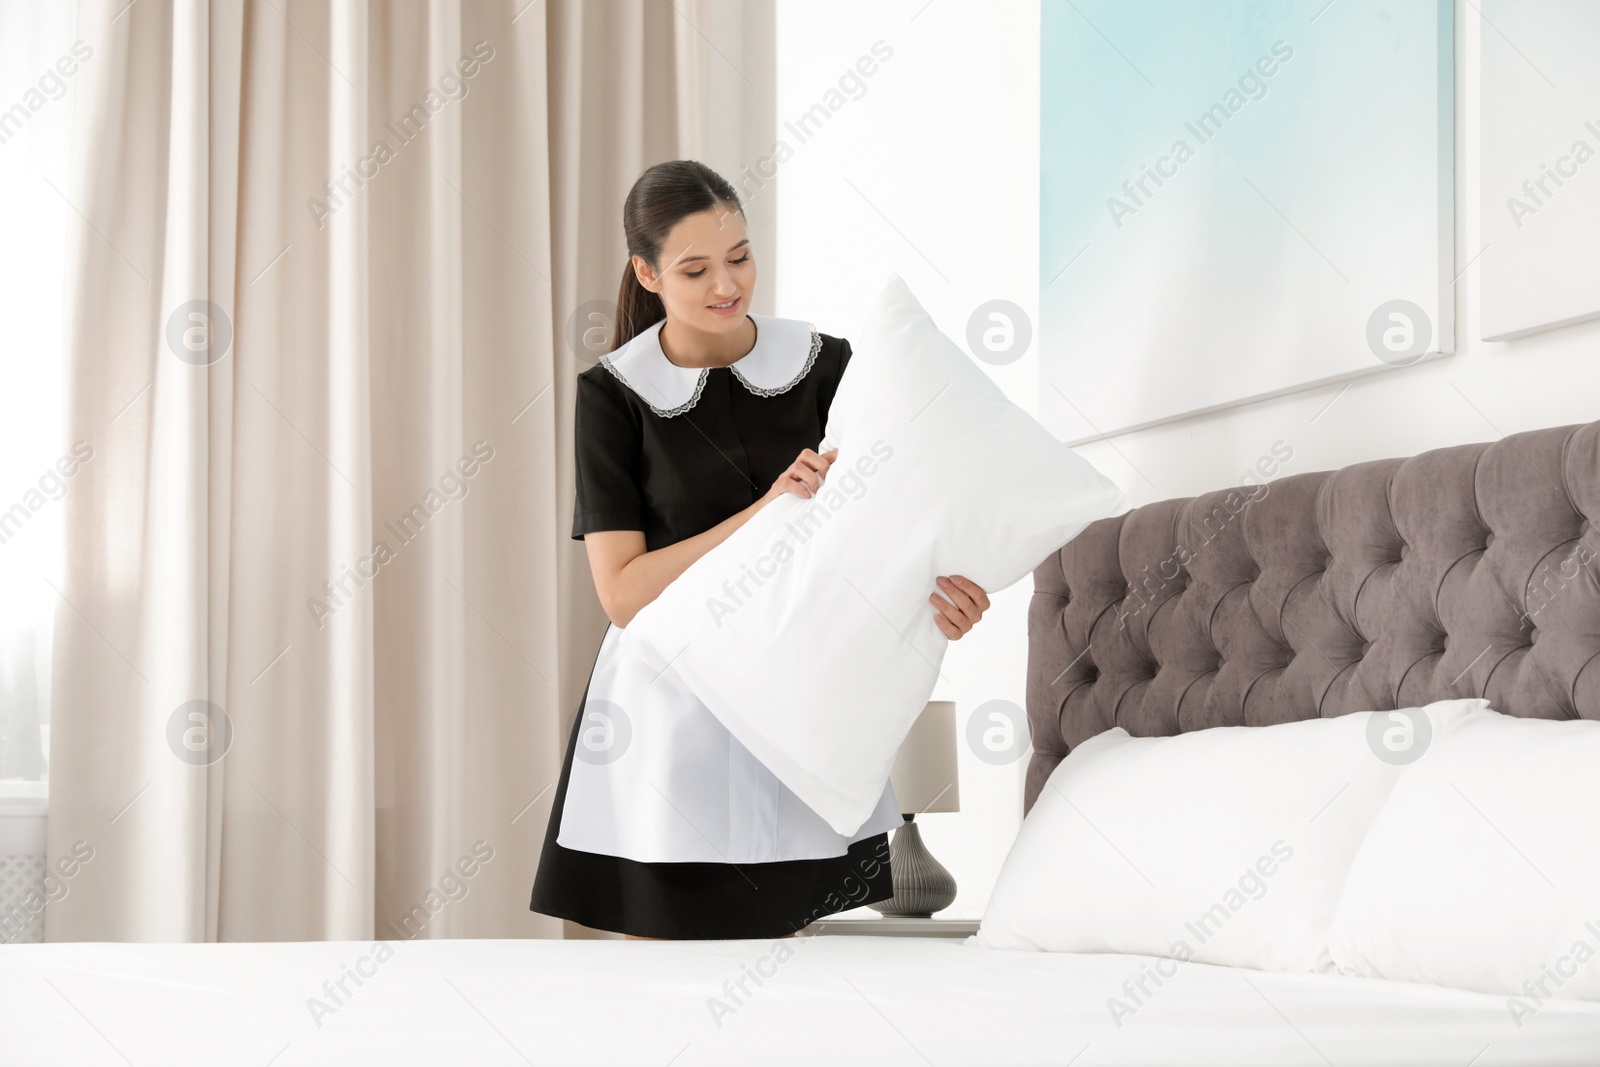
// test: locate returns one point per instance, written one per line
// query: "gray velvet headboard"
(1462, 572)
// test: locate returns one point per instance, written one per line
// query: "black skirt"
(700, 900)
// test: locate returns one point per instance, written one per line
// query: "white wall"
(933, 172)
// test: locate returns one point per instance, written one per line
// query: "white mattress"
(875, 1000)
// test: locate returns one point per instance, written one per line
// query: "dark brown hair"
(662, 197)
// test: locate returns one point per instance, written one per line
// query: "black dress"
(674, 468)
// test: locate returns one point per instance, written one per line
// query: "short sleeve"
(606, 440)
(825, 392)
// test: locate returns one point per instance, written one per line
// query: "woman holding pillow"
(664, 826)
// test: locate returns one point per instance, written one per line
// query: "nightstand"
(891, 927)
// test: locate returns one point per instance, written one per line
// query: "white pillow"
(1227, 845)
(1483, 869)
(808, 632)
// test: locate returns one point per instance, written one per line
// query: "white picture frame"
(1539, 170)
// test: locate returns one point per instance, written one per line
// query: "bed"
(882, 1000)
(1383, 584)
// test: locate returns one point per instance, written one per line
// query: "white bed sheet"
(874, 1000)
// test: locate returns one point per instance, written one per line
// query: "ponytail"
(637, 308)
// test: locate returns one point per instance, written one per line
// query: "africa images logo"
(1252, 85)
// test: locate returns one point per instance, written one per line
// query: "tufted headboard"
(1461, 572)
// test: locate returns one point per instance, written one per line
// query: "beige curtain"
(323, 629)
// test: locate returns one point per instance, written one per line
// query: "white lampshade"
(924, 774)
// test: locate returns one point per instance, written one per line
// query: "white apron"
(657, 778)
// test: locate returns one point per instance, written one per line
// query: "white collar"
(784, 351)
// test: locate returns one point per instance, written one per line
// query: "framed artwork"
(1539, 188)
(1238, 199)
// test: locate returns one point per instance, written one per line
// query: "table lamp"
(925, 780)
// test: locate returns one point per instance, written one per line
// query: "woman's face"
(705, 262)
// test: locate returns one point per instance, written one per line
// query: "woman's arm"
(627, 577)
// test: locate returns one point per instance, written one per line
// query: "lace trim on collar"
(805, 369)
(647, 347)
(666, 413)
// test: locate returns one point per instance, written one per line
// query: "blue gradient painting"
(1238, 198)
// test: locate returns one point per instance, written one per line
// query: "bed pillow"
(1226, 845)
(1483, 869)
(808, 632)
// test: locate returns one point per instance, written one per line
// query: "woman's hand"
(803, 476)
(966, 605)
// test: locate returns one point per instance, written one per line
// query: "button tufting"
(1488, 539)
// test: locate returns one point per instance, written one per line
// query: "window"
(36, 102)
